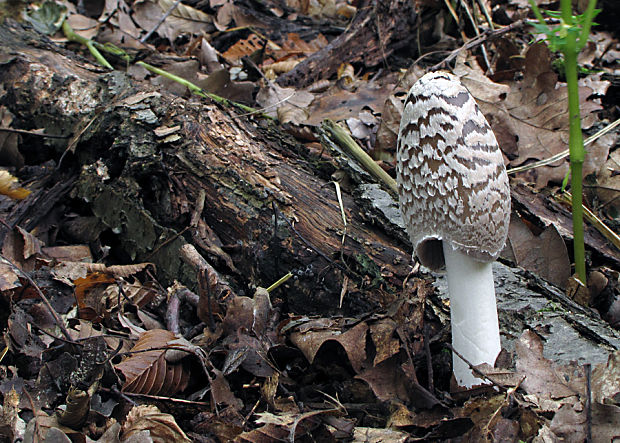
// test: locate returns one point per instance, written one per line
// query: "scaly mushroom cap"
(452, 182)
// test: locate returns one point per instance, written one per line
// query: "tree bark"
(157, 172)
(263, 208)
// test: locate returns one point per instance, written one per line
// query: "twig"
(429, 361)
(161, 20)
(474, 24)
(36, 134)
(344, 140)
(194, 89)
(605, 230)
(487, 35)
(174, 304)
(478, 372)
(204, 288)
(281, 281)
(487, 16)
(565, 153)
(47, 303)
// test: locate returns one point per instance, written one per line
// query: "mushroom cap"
(452, 182)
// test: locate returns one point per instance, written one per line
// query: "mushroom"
(455, 199)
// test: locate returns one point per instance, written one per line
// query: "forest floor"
(102, 347)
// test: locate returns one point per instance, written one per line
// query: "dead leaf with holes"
(147, 371)
(544, 378)
(530, 118)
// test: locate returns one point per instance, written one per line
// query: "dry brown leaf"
(184, 20)
(560, 383)
(340, 104)
(311, 341)
(224, 16)
(9, 279)
(221, 392)
(295, 45)
(387, 134)
(544, 254)
(379, 435)
(160, 427)
(69, 253)
(44, 428)
(219, 83)
(243, 48)
(286, 103)
(90, 295)
(608, 181)
(124, 32)
(147, 371)
(22, 249)
(530, 118)
(606, 380)
(387, 381)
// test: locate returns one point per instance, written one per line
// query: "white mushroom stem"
(473, 312)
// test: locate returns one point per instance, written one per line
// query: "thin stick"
(161, 20)
(488, 35)
(590, 216)
(474, 23)
(47, 303)
(280, 281)
(476, 371)
(343, 139)
(36, 134)
(566, 152)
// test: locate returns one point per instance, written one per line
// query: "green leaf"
(48, 18)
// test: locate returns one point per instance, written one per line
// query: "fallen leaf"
(147, 420)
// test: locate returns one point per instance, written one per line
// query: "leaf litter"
(266, 374)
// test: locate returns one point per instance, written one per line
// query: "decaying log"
(160, 171)
(368, 39)
(265, 211)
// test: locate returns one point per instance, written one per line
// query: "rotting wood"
(145, 191)
(366, 40)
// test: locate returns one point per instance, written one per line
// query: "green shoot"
(569, 37)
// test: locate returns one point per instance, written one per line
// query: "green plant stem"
(72, 36)
(194, 89)
(577, 152)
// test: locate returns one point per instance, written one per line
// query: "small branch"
(47, 303)
(36, 134)
(474, 42)
(344, 140)
(281, 281)
(161, 20)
